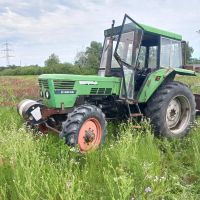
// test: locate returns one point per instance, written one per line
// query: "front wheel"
(172, 110)
(85, 127)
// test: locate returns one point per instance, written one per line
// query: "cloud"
(38, 28)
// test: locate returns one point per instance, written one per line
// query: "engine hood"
(84, 78)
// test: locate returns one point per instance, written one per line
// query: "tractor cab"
(132, 51)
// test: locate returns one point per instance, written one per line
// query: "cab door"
(126, 53)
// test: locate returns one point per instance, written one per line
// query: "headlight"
(47, 94)
(41, 93)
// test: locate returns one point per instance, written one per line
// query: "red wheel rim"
(89, 137)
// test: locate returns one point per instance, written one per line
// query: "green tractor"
(135, 79)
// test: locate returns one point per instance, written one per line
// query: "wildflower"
(74, 149)
(115, 179)
(68, 184)
(156, 179)
(148, 190)
(162, 178)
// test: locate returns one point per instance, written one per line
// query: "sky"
(36, 28)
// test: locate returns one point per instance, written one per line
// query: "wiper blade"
(120, 61)
(127, 65)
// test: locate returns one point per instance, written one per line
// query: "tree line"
(86, 62)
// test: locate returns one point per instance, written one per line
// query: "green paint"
(151, 84)
(80, 89)
(94, 85)
(147, 29)
(186, 72)
(164, 33)
(83, 88)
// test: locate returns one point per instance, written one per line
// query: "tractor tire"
(85, 128)
(172, 110)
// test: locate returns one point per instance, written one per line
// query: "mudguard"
(155, 79)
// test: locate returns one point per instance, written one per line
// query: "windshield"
(114, 63)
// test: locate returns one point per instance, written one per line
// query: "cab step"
(136, 115)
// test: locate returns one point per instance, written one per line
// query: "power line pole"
(7, 51)
(198, 31)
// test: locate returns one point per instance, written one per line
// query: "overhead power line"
(6, 51)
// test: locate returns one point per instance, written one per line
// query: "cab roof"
(147, 29)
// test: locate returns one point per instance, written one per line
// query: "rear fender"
(156, 78)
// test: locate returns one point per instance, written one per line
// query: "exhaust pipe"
(30, 110)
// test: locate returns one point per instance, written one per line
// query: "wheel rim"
(178, 114)
(89, 137)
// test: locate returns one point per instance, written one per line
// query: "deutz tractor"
(135, 79)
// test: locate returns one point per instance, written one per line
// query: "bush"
(59, 68)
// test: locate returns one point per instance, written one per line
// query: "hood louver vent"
(93, 91)
(43, 83)
(99, 91)
(63, 85)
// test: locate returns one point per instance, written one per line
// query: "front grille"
(93, 91)
(63, 85)
(106, 91)
(101, 90)
(43, 83)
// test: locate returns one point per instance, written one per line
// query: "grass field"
(132, 166)
(13, 89)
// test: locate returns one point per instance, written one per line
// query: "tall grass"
(131, 165)
(193, 82)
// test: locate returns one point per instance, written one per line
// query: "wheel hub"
(173, 113)
(178, 114)
(89, 135)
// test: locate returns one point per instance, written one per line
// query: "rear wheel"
(85, 127)
(172, 110)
